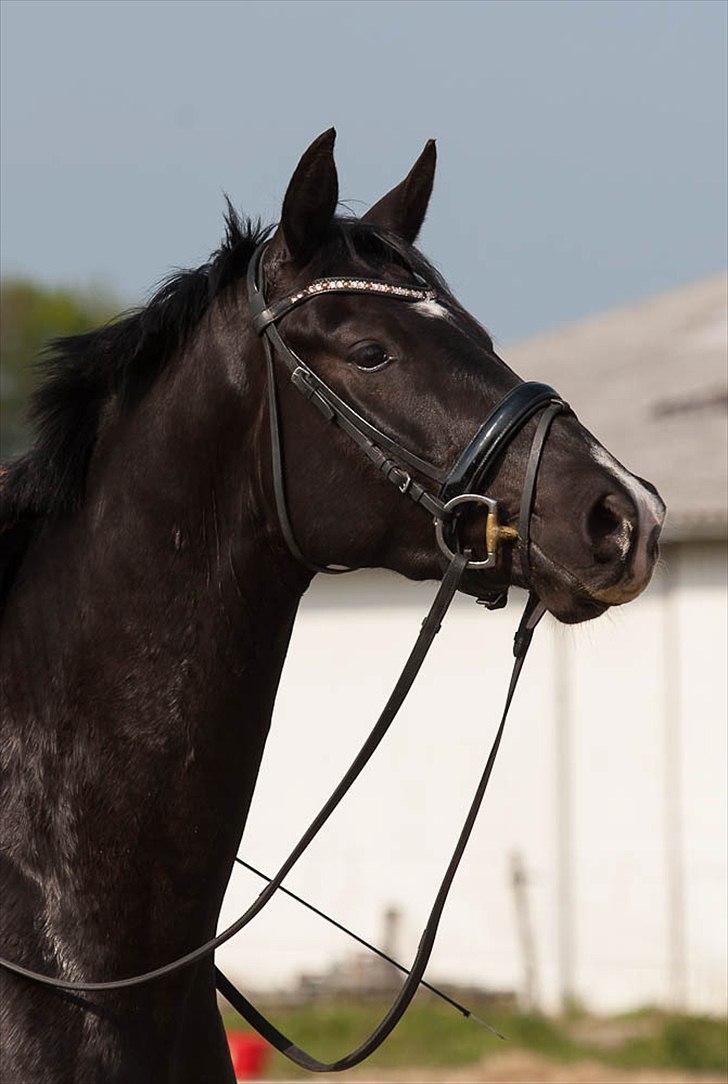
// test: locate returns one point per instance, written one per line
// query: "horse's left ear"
(310, 201)
(403, 209)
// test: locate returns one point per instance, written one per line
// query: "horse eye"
(369, 355)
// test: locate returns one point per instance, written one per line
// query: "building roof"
(651, 382)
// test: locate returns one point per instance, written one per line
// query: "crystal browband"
(345, 285)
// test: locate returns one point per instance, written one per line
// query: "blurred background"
(580, 213)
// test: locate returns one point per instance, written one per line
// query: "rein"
(457, 489)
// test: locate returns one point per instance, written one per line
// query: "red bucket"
(249, 1054)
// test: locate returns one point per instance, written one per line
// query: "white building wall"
(390, 842)
(703, 652)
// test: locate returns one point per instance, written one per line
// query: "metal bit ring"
(494, 533)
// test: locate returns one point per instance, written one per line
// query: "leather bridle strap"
(279, 483)
(528, 493)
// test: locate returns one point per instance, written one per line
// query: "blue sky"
(582, 144)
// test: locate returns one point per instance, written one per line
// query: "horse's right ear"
(403, 209)
(310, 202)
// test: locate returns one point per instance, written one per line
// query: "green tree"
(30, 315)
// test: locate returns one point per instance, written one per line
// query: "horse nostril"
(609, 525)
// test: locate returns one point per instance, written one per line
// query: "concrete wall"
(611, 783)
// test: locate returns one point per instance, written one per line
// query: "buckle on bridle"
(404, 480)
(495, 532)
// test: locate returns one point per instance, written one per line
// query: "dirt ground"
(521, 1068)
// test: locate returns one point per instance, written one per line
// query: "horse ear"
(403, 209)
(310, 200)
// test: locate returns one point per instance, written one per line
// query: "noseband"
(456, 488)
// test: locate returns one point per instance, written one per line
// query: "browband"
(264, 315)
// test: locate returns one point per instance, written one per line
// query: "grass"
(433, 1035)
(696, 1043)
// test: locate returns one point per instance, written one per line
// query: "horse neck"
(144, 648)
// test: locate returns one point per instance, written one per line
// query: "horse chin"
(564, 594)
(570, 608)
(566, 604)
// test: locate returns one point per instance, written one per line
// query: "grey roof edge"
(604, 320)
(687, 460)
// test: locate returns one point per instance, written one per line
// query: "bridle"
(456, 489)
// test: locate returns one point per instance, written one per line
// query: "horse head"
(364, 320)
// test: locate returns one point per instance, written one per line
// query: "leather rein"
(456, 488)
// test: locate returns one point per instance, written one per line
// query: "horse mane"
(121, 360)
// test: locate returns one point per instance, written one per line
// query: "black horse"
(148, 598)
